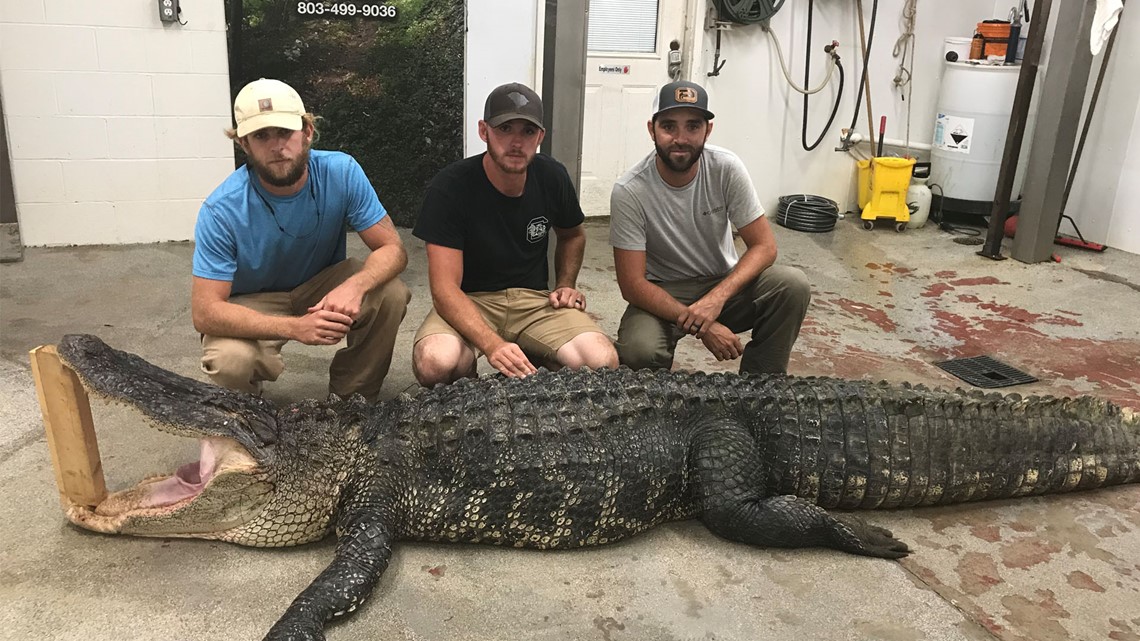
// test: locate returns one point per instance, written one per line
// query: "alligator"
(582, 458)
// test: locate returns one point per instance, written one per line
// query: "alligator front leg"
(729, 485)
(362, 555)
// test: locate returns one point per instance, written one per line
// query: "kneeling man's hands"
(322, 327)
(344, 299)
(722, 342)
(699, 317)
(567, 297)
(509, 359)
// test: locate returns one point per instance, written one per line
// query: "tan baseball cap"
(267, 103)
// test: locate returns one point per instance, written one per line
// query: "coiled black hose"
(807, 213)
(747, 11)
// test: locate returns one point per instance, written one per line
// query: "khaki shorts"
(522, 316)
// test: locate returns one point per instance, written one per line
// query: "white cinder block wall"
(114, 118)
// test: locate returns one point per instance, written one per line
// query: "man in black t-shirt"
(485, 221)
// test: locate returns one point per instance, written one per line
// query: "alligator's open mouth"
(222, 490)
(227, 488)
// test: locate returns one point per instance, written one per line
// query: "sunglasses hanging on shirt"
(277, 221)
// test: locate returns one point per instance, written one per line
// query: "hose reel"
(747, 11)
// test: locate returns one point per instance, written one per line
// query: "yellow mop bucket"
(890, 178)
(864, 178)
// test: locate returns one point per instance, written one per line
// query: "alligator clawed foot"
(872, 540)
(287, 630)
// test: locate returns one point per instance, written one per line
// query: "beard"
(281, 174)
(510, 164)
(679, 165)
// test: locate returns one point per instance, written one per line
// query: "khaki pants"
(773, 307)
(357, 368)
(523, 316)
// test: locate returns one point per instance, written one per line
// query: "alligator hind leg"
(726, 466)
(791, 522)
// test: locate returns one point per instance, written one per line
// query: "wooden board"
(69, 427)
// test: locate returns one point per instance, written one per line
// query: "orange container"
(990, 39)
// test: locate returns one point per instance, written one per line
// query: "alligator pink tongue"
(188, 481)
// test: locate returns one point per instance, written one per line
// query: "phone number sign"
(346, 10)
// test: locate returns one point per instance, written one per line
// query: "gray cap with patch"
(682, 94)
(511, 101)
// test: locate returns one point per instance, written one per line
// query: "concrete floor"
(886, 306)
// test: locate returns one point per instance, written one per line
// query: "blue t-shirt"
(239, 235)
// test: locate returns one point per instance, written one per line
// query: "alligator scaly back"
(580, 458)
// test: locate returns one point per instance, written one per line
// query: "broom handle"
(867, 86)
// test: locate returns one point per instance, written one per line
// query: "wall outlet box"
(168, 10)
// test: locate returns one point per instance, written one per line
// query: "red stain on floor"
(868, 313)
(937, 289)
(1112, 365)
(1018, 526)
(1082, 581)
(812, 327)
(1123, 631)
(1040, 619)
(991, 533)
(1023, 316)
(974, 330)
(978, 573)
(971, 516)
(856, 363)
(1025, 553)
(984, 280)
(975, 321)
(889, 268)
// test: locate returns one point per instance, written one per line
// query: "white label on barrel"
(952, 133)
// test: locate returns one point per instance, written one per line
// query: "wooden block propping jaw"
(69, 427)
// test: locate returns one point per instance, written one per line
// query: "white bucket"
(955, 49)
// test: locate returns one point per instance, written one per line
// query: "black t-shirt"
(504, 240)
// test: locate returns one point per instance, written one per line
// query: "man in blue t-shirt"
(486, 222)
(269, 258)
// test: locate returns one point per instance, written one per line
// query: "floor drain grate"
(984, 371)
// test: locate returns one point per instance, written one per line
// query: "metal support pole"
(1058, 118)
(1012, 154)
(11, 249)
(1088, 119)
(564, 81)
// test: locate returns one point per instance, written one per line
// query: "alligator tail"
(851, 445)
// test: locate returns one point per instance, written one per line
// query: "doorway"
(627, 58)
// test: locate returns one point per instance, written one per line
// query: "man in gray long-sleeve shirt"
(671, 219)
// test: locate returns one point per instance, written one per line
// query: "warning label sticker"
(953, 133)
